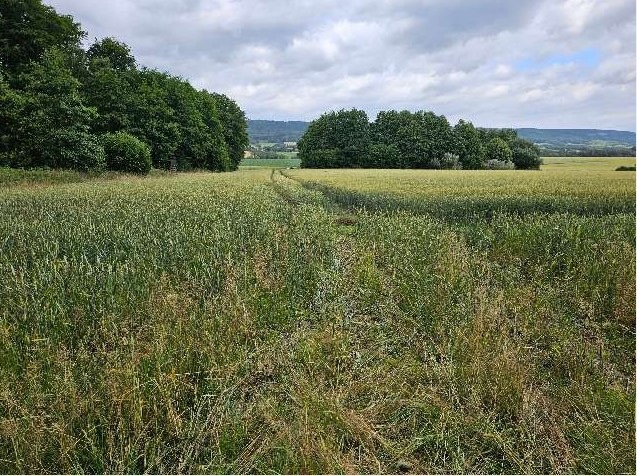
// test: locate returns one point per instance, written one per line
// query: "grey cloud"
(293, 59)
(427, 26)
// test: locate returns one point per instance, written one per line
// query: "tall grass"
(243, 323)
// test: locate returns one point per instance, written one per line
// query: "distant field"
(567, 185)
(311, 321)
(291, 161)
(588, 163)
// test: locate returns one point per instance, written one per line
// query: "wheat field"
(310, 321)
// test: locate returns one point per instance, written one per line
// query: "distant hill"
(590, 137)
(551, 141)
(587, 142)
(275, 131)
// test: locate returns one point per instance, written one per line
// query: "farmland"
(310, 321)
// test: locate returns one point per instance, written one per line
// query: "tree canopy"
(407, 139)
(58, 100)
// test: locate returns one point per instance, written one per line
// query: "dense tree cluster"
(411, 140)
(59, 104)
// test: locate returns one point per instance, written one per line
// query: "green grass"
(320, 322)
(11, 177)
(45, 177)
(291, 161)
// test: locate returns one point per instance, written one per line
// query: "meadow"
(290, 161)
(311, 321)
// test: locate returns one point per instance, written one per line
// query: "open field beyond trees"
(303, 321)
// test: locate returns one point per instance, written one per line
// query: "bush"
(625, 168)
(450, 161)
(526, 155)
(495, 164)
(126, 153)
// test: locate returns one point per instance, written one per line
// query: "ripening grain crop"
(320, 321)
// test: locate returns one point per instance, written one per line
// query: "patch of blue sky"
(589, 57)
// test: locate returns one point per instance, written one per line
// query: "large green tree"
(28, 28)
(468, 145)
(433, 138)
(150, 117)
(56, 124)
(336, 139)
(393, 135)
(110, 91)
(235, 128)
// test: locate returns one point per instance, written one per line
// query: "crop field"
(310, 321)
(290, 161)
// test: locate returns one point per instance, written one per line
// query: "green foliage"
(468, 145)
(55, 123)
(73, 149)
(28, 28)
(448, 161)
(177, 121)
(126, 153)
(151, 118)
(383, 156)
(234, 127)
(499, 155)
(56, 99)
(11, 113)
(526, 155)
(495, 164)
(421, 140)
(498, 150)
(116, 53)
(336, 139)
(110, 92)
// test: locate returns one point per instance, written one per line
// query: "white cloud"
(293, 59)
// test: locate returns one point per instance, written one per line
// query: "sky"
(496, 63)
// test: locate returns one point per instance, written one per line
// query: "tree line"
(62, 106)
(405, 139)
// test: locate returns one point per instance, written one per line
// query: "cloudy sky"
(521, 63)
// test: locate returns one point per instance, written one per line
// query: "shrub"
(495, 164)
(450, 161)
(126, 153)
(625, 168)
(526, 155)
